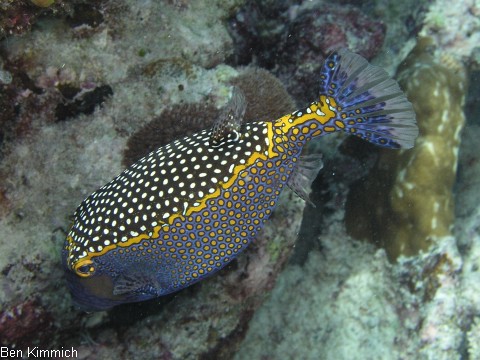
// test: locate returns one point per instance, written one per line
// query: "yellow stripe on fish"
(187, 209)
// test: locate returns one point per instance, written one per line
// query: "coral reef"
(25, 324)
(84, 104)
(50, 165)
(314, 33)
(349, 301)
(455, 30)
(407, 200)
(161, 59)
(266, 100)
(336, 311)
(424, 306)
(467, 231)
(266, 96)
(473, 336)
(434, 309)
(43, 3)
(167, 127)
(294, 40)
(17, 17)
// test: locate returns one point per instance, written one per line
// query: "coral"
(344, 303)
(256, 30)
(167, 127)
(348, 299)
(85, 15)
(265, 96)
(24, 323)
(318, 31)
(17, 17)
(54, 156)
(454, 29)
(5, 77)
(314, 33)
(347, 291)
(17, 94)
(56, 93)
(440, 330)
(468, 181)
(406, 201)
(55, 164)
(294, 40)
(43, 3)
(473, 336)
(84, 104)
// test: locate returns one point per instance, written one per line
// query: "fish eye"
(84, 268)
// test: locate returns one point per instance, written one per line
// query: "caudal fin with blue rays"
(369, 103)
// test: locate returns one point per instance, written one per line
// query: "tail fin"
(370, 103)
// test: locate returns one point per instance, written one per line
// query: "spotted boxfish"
(187, 209)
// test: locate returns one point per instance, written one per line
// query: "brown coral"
(266, 100)
(407, 201)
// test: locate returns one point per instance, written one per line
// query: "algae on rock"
(406, 201)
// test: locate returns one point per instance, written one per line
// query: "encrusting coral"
(406, 200)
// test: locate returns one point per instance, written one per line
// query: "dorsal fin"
(227, 126)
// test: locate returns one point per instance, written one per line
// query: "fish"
(186, 210)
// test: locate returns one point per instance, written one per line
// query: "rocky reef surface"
(86, 86)
(411, 289)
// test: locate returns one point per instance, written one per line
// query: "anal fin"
(306, 171)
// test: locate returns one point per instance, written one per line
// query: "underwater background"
(385, 262)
